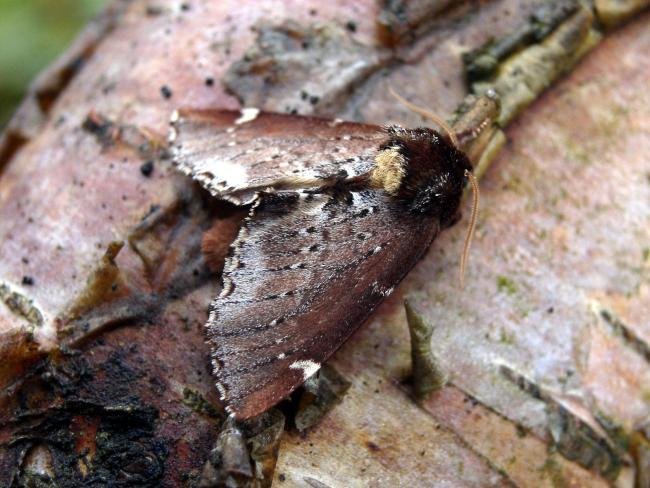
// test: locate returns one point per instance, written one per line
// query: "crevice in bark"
(627, 335)
(300, 69)
(573, 437)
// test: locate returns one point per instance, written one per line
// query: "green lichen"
(506, 285)
(197, 402)
(521, 431)
(645, 394)
(578, 153)
(20, 305)
(507, 337)
(552, 469)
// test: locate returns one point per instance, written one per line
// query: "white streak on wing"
(307, 366)
(350, 169)
(235, 174)
(247, 115)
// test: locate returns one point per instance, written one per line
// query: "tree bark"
(104, 288)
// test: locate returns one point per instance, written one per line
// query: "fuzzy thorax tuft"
(389, 171)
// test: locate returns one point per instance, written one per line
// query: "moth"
(339, 213)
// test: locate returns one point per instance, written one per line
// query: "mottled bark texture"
(104, 289)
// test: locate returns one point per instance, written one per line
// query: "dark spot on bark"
(209, 81)
(100, 126)
(351, 25)
(28, 280)
(153, 10)
(166, 92)
(147, 169)
(372, 446)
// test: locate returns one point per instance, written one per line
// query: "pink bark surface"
(557, 295)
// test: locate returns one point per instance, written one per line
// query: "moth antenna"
(426, 113)
(471, 227)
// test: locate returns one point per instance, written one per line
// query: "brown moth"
(339, 213)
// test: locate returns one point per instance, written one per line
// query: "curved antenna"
(425, 113)
(471, 227)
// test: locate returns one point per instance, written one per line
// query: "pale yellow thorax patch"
(389, 171)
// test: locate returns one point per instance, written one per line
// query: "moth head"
(423, 169)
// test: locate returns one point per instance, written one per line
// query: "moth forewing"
(234, 161)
